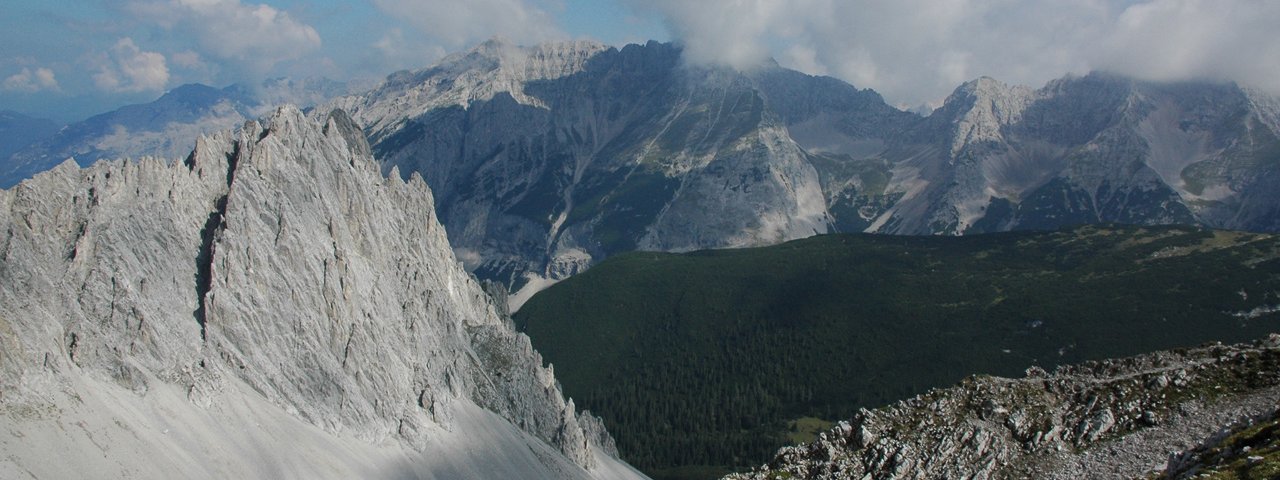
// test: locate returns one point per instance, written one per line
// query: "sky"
(68, 59)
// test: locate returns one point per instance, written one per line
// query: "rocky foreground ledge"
(1170, 414)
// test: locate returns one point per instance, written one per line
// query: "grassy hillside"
(708, 361)
(1250, 451)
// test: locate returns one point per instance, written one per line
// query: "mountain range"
(165, 128)
(17, 131)
(306, 295)
(547, 159)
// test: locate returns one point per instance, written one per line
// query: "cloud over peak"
(127, 68)
(256, 37)
(459, 23)
(31, 81)
(728, 32)
(1177, 39)
(918, 50)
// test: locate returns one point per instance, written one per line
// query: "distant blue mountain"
(17, 131)
(166, 127)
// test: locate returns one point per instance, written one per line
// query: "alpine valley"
(704, 362)
(325, 290)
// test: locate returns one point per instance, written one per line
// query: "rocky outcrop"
(1107, 419)
(274, 267)
(1250, 448)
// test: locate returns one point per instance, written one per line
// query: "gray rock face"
(545, 159)
(1109, 419)
(275, 264)
(1093, 149)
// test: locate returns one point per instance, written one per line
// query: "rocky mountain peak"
(273, 277)
(1265, 106)
(479, 74)
(540, 143)
(983, 86)
(982, 107)
(565, 55)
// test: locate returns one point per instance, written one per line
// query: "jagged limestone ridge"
(476, 75)
(276, 256)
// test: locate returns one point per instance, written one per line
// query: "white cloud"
(390, 43)
(190, 66)
(31, 81)
(187, 59)
(255, 36)
(460, 23)
(918, 51)
(399, 50)
(127, 68)
(1177, 39)
(803, 58)
(732, 32)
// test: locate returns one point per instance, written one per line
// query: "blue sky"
(67, 59)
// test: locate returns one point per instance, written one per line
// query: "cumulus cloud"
(31, 81)
(1176, 39)
(459, 23)
(127, 68)
(256, 36)
(732, 32)
(401, 50)
(187, 59)
(919, 50)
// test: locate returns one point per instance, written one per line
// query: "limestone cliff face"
(1094, 149)
(276, 264)
(546, 159)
